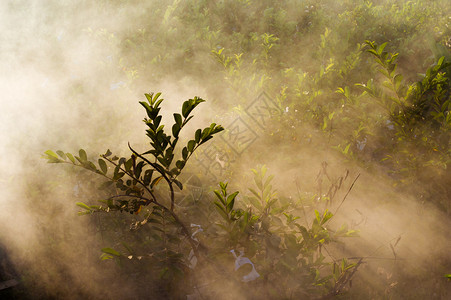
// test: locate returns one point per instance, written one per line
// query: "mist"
(72, 74)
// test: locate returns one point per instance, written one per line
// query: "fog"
(71, 76)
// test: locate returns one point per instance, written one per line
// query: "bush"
(174, 259)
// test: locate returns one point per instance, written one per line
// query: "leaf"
(179, 184)
(191, 145)
(185, 153)
(82, 154)
(105, 256)
(52, 154)
(206, 139)
(304, 232)
(71, 157)
(110, 251)
(255, 202)
(138, 169)
(156, 181)
(326, 216)
(103, 166)
(82, 205)
(128, 164)
(185, 108)
(175, 130)
(149, 97)
(90, 166)
(345, 151)
(381, 48)
(198, 135)
(118, 175)
(205, 133)
(220, 197)
(61, 154)
(317, 216)
(397, 80)
(108, 153)
(231, 201)
(180, 164)
(221, 211)
(178, 119)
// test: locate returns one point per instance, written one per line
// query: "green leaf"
(381, 48)
(82, 154)
(175, 130)
(257, 195)
(178, 119)
(51, 154)
(103, 166)
(128, 164)
(317, 216)
(118, 175)
(191, 145)
(110, 251)
(71, 157)
(61, 154)
(156, 181)
(149, 97)
(82, 205)
(326, 216)
(180, 164)
(159, 101)
(205, 133)
(221, 211)
(105, 256)
(148, 177)
(179, 184)
(345, 150)
(198, 135)
(255, 202)
(231, 201)
(185, 153)
(185, 108)
(397, 80)
(149, 110)
(108, 153)
(220, 197)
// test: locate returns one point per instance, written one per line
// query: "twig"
(162, 174)
(347, 193)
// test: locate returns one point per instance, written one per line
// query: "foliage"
(132, 184)
(353, 84)
(290, 254)
(268, 234)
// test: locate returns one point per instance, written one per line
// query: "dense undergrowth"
(371, 85)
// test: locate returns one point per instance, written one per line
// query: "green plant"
(419, 114)
(133, 184)
(289, 256)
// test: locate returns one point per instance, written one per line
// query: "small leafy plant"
(287, 250)
(133, 183)
(143, 171)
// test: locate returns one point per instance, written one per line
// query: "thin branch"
(185, 230)
(134, 177)
(162, 174)
(347, 193)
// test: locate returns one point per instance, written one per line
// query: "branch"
(347, 193)
(157, 169)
